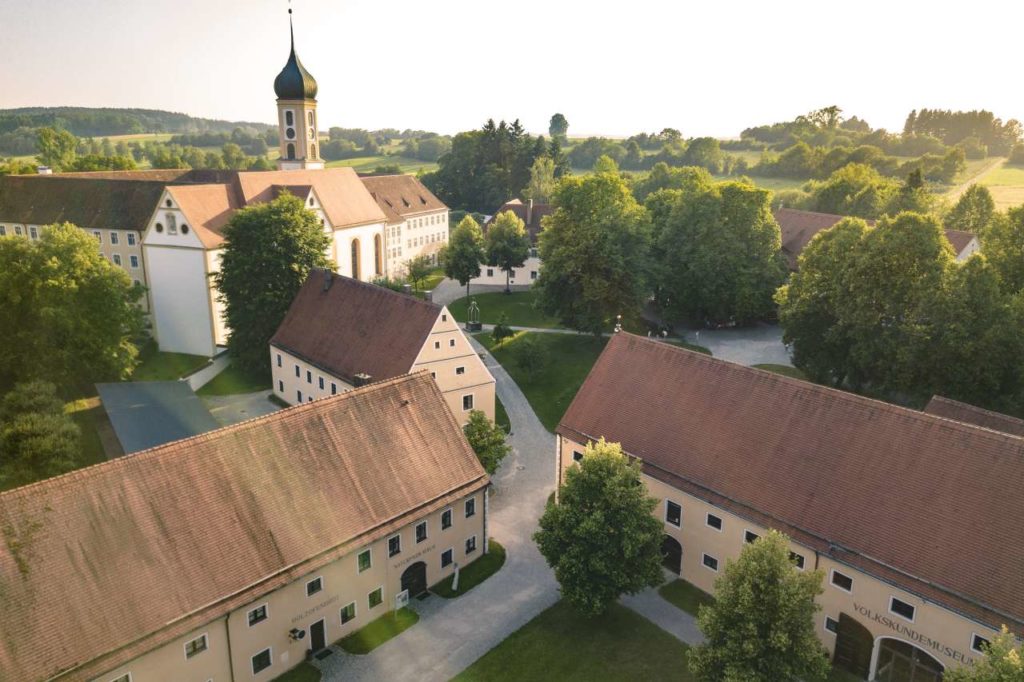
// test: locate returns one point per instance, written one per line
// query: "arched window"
(311, 119)
(378, 255)
(312, 151)
(355, 259)
(291, 150)
(288, 118)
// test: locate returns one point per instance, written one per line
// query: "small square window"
(3, 231)
(348, 613)
(979, 644)
(444, 318)
(363, 561)
(17, 230)
(261, 661)
(34, 234)
(446, 519)
(394, 545)
(831, 625)
(901, 608)
(467, 402)
(673, 513)
(451, 343)
(490, 272)
(797, 559)
(98, 235)
(195, 646)
(257, 615)
(749, 536)
(321, 383)
(470, 507)
(710, 562)
(437, 345)
(376, 597)
(314, 586)
(533, 274)
(459, 371)
(843, 582)
(446, 558)
(278, 359)
(577, 456)
(471, 545)
(714, 521)
(421, 531)
(114, 238)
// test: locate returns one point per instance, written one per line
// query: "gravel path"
(452, 634)
(449, 290)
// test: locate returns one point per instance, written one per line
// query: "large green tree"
(1003, 245)
(722, 254)
(558, 127)
(601, 538)
(595, 249)
(507, 244)
(487, 440)
(761, 625)
(269, 250)
(56, 147)
(67, 315)
(37, 439)
(464, 252)
(542, 180)
(1003, 661)
(973, 211)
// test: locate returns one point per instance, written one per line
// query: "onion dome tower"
(295, 88)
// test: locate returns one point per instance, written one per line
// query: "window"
(298, 395)
(363, 561)
(34, 234)
(172, 223)
(714, 521)
(446, 519)
(376, 597)
(421, 531)
(334, 388)
(289, 117)
(290, 149)
(159, 227)
(471, 545)
(355, 259)
(470, 507)
(378, 255)
(296, 370)
(280, 386)
(95, 233)
(348, 613)
(901, 608)
(394, 545)
(261, 661)
(184, 229)
(17, 230)
(309, 377)
(467, 402)
(831, 625)
(437, 345)
(314, 586)
(168, 203)
(131, 239)
(843, 582)
(710, 562)
(133, 261)
(577, 456)
(979, 643)
(444, 318)
(195, 647)
(490, 272)
(113, 237)
(673, 513)
(310, 119)
(257, 615)
(321, 383)
(459, 371)
(278, 359)
(749, 537)
(533, 274)
(451, 343)
(117, 258)
(797, 559)
(3, 231)
(446, 558)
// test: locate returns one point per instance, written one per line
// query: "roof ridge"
(370, 286)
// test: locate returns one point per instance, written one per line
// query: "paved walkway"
(665, 615)
(760, 344)
(231, 409)
(449, 290)
(452, 634)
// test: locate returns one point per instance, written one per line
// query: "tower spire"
(296, 104)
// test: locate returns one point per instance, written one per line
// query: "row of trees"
(978, 129)
(506, 246)
(803, 161)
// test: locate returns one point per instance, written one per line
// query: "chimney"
(44, 170)
(327, 280)
(362, 379)
(529, 212)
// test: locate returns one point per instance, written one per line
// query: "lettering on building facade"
(310, 611)
(912, 635)
(413, 557)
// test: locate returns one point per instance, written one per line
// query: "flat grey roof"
(150, 413)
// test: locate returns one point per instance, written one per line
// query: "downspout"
(487, 500)
(231, 659)
(558, 465)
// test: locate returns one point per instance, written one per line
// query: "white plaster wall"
(220, 329)
(290, 382)
(520, 276)
(341, 250)
(182, 318)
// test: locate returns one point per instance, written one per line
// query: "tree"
(542, 180)
(487, 440)
(602, 539)
(722, 255)
(67, 315)
(558, 127)
(464, 252)
(1003, 245)
(269, 250)
(501, 330)
(529, 355)
(1003, 661)
(595, 249)
(507, 245)
(973, 212)
(37, 439)
(761, 625)
(57, 148)
(418, 269)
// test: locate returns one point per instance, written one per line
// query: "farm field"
(1006, 183)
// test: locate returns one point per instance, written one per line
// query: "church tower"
(296, 113)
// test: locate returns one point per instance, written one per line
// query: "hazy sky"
(706, 68)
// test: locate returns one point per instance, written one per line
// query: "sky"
(612, 68)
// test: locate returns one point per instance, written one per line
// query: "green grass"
(685, 596)
(501, 416)
(367, 164)
(233, 381)
(1006, 183)
(568, 359)
(784, 370)
(562, 645)
(369, 637)
(473, 574)
(156, 365)
(89, 415)
(518, 306)
(304, 672)
(774, 184)
(432, 280)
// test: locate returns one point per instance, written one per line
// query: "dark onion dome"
(294, 82)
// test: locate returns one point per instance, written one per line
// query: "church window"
(378, 255)
(312, 151)
(172, 223)
(289, 133)
(355, 259)
(291, 150)
(310, 119)
(184, 228)
(289, 118)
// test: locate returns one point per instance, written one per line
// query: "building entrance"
(317, 636)
(854, 644)
(414, 579)
(902, 662)
(672, 554)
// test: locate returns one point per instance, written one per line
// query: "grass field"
(367, 164)
(518, 306)
(567, 361)
(685, 596)
(560, 644)
(1006, 183)
(304, 672)
(501, 416)
(473, 574)
(155, 365)
(369, 637)
(233, 381)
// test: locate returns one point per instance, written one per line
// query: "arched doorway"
(355, 259)
(378, 255)
(854, 644)
(672, 554)
(414, 579)
(900, 661)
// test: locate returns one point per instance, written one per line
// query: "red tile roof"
(103, 564)
(959, 239)
(969, 414)
(355, 328)
(930, 504)
(533, 226)
(401, 196)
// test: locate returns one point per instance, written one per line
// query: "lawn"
(685, 596)
(473, 574)
(784, 370)
(567, 359)
(156, 365)
(432, 280)
(560, 644)
(501, 416)
(774, 184)
(518, 306)
(1006, 183)
(233, 381)
(303, 672)
(369, 637)
(368, 164)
